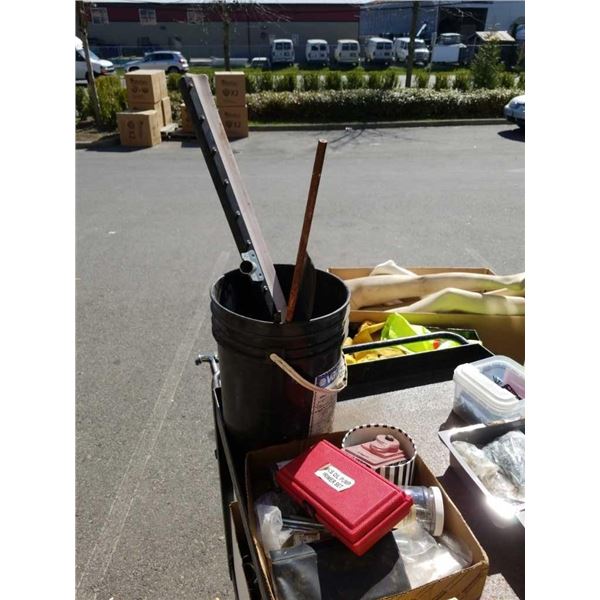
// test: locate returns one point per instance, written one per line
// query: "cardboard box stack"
(149, 108)
(231, 102)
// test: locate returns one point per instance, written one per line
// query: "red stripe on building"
(127, 13)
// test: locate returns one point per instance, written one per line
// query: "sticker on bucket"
(323, 404)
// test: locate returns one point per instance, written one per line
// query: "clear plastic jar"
(427, 508)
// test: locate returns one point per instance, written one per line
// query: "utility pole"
(226, 49)
(83, 22)
(411, 43)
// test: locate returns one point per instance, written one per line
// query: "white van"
(347, 52)
(449, 49)
(317, 52)
(282, 51)
(401, 50)
(100, 66)
(379, 50)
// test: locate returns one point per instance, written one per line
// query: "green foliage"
(374, 80)
(441, 82)
(112, 98)
(82, 103)
(252, 83)
(521, 81)
(422, 79)
(487, 67)
(173, 81)
(462, 82)
(176, 101)
(388, 80)
(506, 80)
(355, 80)
(285, 82)
(266, 81)
(376, 105)
(333, 80)
(310, 81)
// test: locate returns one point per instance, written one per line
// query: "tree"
(411, 43)
(229, 11)
(82, 22)
(487, 66)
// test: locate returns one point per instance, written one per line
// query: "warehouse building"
(127, 28)
(392, 19)
(131, 27)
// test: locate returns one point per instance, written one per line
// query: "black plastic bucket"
(263, 405)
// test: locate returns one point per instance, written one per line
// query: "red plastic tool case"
(355, 503)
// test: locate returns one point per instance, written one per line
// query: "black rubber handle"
(445, 335)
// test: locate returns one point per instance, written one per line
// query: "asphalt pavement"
(152, 238)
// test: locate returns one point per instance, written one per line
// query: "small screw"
(238, 213)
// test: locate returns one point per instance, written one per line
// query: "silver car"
(514, 111)
(167, 60)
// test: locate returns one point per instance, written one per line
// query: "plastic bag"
(425, 559)
(490, 474)
(508, 452)
(270, 522)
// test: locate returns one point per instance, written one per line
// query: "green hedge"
(82, 103)
(376, 105)
(112, 98)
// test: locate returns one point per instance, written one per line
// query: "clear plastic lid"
(496, 383)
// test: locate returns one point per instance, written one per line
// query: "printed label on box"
(334, 478)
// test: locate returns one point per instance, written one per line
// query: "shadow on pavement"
(516, 135)
(114, 147)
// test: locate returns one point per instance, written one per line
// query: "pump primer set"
(329, 505)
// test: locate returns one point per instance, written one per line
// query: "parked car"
(317, 52)
(99, 65)
(282, 51)
(259, 62)
(514, 111)
(347, 52)
(167, 60)
(379, 50)
(449, 49)
(422, 53)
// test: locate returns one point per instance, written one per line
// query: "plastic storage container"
(492, 389)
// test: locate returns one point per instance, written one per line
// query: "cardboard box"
(467, 584)
(500, 334)
(145, 86)
(157, 106)
(164, 90)
(235, 121)
(186, 121)
(167, 115)
(230, 88)
(139, 128)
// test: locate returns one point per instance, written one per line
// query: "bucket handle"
(284, 366)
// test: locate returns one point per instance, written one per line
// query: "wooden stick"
(308, 217)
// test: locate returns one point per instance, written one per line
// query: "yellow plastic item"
(395, 326)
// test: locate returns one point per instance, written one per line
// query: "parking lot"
(152, 238)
